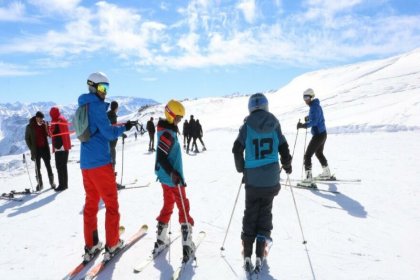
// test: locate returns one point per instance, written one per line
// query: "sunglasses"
(102, 88)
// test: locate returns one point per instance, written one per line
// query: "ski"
(136, 186)
(73, 273)
(26, 191)
(178, 273)
(10, 196)
(94, 272)
(151, 257)
(333, 179)
(313, 188)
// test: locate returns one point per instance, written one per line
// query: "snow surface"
(369, 231)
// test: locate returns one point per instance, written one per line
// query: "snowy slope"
(369, 231)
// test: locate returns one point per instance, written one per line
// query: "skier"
(261, 138)
(36, 134)
(200, 134)
(316, 121)
(61, 145)
(191, 127)
(169, 171)
(98, 174)
(150, 126)
(113, 117)
(185, 133)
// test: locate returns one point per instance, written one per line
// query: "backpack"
(81, 123)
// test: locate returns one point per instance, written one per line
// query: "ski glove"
(124, 136)
(176, 178)
(288, 167)
(301, 125)
(129, 125)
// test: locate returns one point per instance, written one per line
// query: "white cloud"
(60, 6)
(14, 12)
(12, 70)
(248, 8)
(210, 34)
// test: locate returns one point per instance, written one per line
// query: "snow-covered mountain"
(366, 231)
(14, 117)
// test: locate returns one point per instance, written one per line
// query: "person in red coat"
(61, 144)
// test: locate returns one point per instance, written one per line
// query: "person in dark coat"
(36, 134)
(150, 126)
(261, 138)
(61, 145)
(185, 133)
(200, 134)
(192, 134)
(112, 116)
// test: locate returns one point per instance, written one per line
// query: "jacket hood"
(315, 101)
(262, 121)
(54, 113)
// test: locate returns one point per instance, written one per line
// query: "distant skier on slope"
(97, 172)
(316, 121)
(113, 118)
(150, 126)
(169, 170)
(262, 140)
(200, 133)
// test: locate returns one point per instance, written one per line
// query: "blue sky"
(187, 49)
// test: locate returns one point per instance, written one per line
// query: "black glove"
(129, 125)
(301, 125)
(288, 167)
(176, 178)
(306, 118)
(124, 136)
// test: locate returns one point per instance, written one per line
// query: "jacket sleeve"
(104, 125)
(165, 145)
(285, 157)
(238, 149)
(28, 139)
(314, 116)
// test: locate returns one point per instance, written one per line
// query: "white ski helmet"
(257, 101)
(309, 92)
(97, 78)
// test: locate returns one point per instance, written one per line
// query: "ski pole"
(304, 151)
(222, 248)
(27, 170)
(297, 212)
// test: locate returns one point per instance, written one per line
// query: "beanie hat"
(39, 114)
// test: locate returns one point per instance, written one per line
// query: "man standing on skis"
(98, 174)
(36, 134)
(150, 126)
(168, 169)
(316, 122)
(261, 138)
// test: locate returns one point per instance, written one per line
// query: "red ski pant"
(100, 183)
(171, 196)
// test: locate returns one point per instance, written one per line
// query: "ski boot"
(90, 253)
(51, 179)
(308, 181)
(260, 251)
(188, 246)
(111, 251)
(204, 148)
(161, 238)
(326, 174)
(248, 266)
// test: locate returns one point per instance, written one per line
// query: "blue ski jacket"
(316, 119)
(96, 152)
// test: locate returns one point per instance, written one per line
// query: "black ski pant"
(151, 141)
(316, 146)
(258, 217)
(201, 141)
(194, 144)
(61, 159)
(43, 153)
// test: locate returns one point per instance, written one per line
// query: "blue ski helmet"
(257, 101)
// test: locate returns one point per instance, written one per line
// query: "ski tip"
(144, 227)
(121, 229)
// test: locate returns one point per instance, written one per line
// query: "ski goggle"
(102, 88)
(307, 97)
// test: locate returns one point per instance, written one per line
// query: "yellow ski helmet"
(172, 109)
